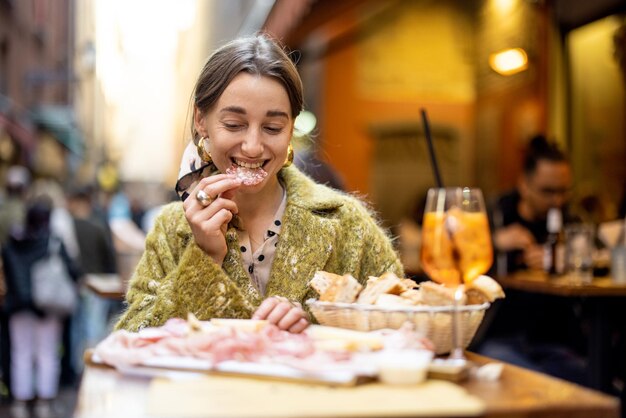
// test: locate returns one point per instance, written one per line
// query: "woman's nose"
(252, 145)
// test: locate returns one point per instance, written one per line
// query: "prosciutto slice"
(216, 344)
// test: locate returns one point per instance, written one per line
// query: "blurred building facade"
(37, 125)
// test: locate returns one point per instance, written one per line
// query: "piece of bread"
(413, 295)
(435, 294)
(483, 289)
(392, 300)
(321, 281)
(335, 288)
(409, 284)
(387, 283)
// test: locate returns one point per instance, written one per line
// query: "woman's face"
(250, 126)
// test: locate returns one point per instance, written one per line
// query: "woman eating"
(252, 230)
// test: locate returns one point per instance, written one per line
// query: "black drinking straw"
(431, 149)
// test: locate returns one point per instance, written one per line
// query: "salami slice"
(248, 176)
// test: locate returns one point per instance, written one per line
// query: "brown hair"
(257, 55)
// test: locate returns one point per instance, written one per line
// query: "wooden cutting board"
(218, 396)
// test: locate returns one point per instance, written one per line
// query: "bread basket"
(435, 322)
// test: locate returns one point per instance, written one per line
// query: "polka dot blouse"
(259, 264)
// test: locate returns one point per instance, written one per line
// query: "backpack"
(53, 289)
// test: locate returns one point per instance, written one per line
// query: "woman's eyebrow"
(233, 109)
(275, 113)
(242, 111)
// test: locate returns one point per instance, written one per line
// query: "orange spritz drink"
(456, 242)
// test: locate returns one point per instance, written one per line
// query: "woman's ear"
(198, 121)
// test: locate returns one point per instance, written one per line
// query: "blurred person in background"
(62, 226)
(35, 335)
(535, 331)
(252, 229)
(12, 213)
(90, 323)
(519, 217)
(147, 221)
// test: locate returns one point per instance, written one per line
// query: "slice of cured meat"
(248, 176)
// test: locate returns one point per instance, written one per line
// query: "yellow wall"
(598, 126)
(414, 56)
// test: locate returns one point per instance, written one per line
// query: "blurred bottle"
(618, 257)
(502, 267)
(553, 245)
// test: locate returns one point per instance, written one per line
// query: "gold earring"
(202, 152)
(289, 158)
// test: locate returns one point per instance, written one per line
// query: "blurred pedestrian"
(90, 323)
(12, 210)
(62, 226)
(35, 334)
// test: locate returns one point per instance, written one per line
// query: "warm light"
(509, 61)
(504, 7)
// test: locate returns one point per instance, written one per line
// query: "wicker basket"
(433, 321)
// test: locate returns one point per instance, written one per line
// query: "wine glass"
(456, 244)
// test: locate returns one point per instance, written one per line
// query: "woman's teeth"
(248, 165)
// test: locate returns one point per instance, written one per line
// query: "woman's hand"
(209, 220)
(284, 314)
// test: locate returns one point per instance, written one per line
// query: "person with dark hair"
(534, 331)
(35, 335)
(12, 209)
(519, 217)
(90, 323)
(252, 229)
(17, 181)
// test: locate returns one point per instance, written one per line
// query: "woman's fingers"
(291, 318)
(265, 308)
(279, 312)
(299, 326)
(282, 313)
(215, 186)
(211, 210)
(213, 225)
(212, 188)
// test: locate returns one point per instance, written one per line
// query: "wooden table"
(110, 286)
(597, 293)
(518, 393)
(540, 282)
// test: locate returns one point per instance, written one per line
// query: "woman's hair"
(257, 55)
(540, 149)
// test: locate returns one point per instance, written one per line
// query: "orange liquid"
(466, 256)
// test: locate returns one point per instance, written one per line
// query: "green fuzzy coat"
(322, 230)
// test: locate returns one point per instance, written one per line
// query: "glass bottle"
(554, 225)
